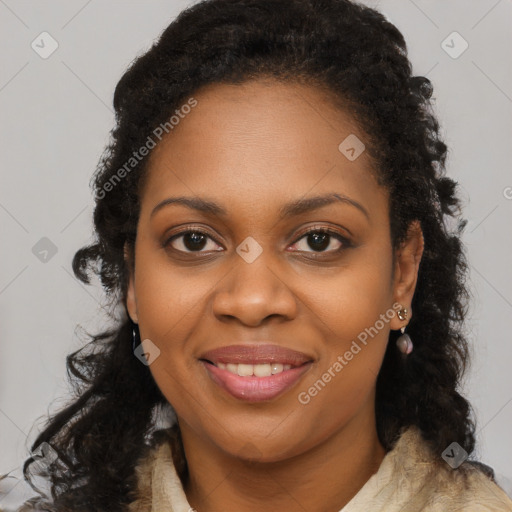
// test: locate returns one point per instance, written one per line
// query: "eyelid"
(190, 229)
(346, 241)
(324, 229)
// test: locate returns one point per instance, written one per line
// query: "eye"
(319, 239)
(191, 240)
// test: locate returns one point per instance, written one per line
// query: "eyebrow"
(288, 210)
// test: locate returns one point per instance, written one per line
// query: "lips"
(256, 389)
(278, 369)
(256, 354)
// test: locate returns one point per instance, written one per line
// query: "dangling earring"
(404, 342)
(135, 336)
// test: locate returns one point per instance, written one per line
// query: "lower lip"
(256, 389)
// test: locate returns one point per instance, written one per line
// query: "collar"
(410, 478)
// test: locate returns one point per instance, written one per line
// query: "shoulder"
(469, 486)
(144, 472)
(149, 468)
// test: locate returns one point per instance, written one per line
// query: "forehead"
(262, 142)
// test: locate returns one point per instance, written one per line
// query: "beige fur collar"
(409, 479)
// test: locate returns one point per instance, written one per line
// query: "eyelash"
(314, 229)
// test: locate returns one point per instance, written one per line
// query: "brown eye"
(192, 240)
(320, 239)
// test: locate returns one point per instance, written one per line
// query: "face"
(254, 271)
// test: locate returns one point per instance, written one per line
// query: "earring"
(135, 336)
(404, 342)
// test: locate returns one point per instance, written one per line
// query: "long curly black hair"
(357, 55)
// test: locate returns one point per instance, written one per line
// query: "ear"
(407, 262)
(131, 300)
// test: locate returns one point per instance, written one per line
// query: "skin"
(252, 148)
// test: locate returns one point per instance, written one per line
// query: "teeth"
(258, 370)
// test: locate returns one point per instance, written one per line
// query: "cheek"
(168, 297)
(169, 315)
(354, 309)
(355, 296)
(169, 311)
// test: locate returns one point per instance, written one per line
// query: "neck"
(323, 479)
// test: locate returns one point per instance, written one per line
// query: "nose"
(253, 292)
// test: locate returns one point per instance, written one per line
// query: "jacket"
(410, 479)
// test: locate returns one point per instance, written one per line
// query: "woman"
(271, 218)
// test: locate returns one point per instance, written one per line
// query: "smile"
(255, 382)
(258, 370)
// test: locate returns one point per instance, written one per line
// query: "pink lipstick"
(255, 372)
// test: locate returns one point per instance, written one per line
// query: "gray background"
(56, 116)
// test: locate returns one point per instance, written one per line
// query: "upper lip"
(255, 354)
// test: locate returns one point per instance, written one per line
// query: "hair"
(360, 58)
